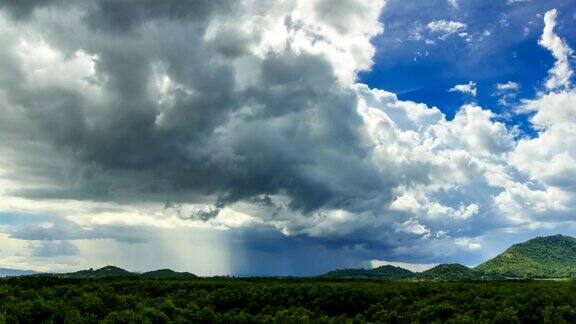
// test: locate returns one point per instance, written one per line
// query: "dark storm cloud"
(20, 9)
(302, 137)
(124, 15)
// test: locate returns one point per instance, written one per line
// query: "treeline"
(41, 299)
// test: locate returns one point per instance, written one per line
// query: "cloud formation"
(446, 27)
(467, 88)
(561, 73)
(248, 115)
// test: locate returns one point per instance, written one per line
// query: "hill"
(167, 273)
(106, 272)
(5, 272)
(541, 257)
(382, 272)
(111, 271)
(448, 272)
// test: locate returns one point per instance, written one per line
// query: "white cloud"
(412, 226)
(446, 27)
(469, 88)
(561, 73)
(467, 243)
(508, 86)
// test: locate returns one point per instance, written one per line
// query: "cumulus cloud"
(548, 160)
(468, 88)
(247, 116)
(561, 73)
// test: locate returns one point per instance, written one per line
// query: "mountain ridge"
(167, 273)
(545, 257)
(382, 272)
(114, 272)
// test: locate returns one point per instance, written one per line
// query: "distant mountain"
(167, 273)
(108, 271)
(5, 272)
(541, 257)
(111, 271)
(382, 272)
(447, 272)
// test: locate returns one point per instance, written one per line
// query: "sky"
(285, 137)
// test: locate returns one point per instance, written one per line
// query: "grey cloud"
(21, 9)
(65, 230)
(302, 138)
(124, 15)
(53, 249)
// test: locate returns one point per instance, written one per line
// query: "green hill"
(111, 271)
(541, 257)
(382, 272)
(108, 271)
(448, 272)
(167, 273)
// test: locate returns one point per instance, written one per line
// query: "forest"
(51, 299)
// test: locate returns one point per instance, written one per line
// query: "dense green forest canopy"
(50, 299)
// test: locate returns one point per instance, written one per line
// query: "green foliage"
(49, 299)
(542, 257)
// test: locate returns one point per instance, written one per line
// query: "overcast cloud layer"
(143, 125)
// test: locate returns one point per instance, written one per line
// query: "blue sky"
(424, 72)
(287, 137)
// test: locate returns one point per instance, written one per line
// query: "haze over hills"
(6, 272)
